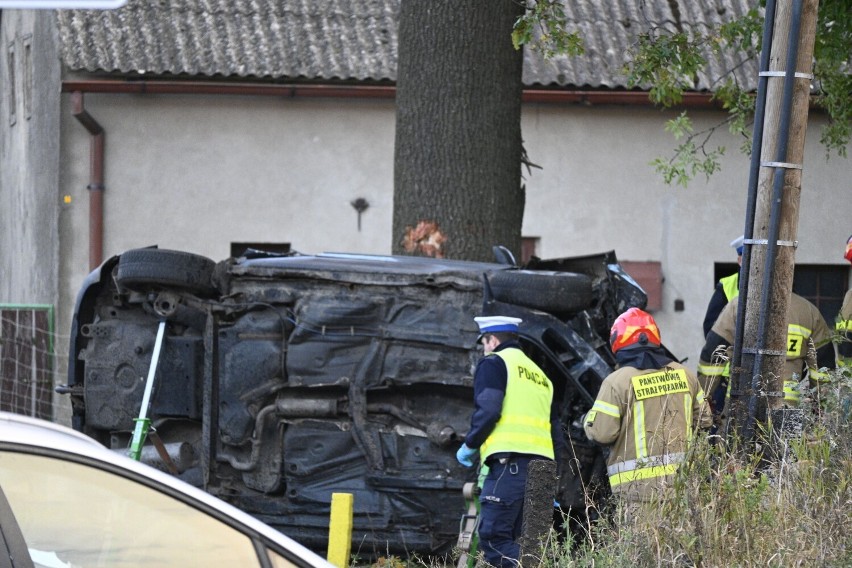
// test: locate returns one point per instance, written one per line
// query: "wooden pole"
(770, 284)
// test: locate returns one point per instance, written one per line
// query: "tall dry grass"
(730, 510)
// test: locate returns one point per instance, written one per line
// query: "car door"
(76, 512)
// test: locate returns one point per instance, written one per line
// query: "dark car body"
(284, 379)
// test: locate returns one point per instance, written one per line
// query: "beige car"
(68, 502)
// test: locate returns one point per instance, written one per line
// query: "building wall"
(29, 157)
(597, 192)
(29, 176)
(197, 173)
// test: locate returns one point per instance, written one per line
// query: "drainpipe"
(96, 180)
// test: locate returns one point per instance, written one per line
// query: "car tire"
(561, 292)
(150, 268)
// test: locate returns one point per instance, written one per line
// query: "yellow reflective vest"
(648, 418)
(843, 327)
(524, 425)
(731, 285)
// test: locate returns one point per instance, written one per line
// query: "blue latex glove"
(465, 455)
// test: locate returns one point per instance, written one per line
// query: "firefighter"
(843, 326)
(646, 411)
(513, 423)
(808, 349)
(726, 289)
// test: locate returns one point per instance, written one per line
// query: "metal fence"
(27, 359)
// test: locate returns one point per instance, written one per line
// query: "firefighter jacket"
(807, 333)
(843, 327)
(647, 418)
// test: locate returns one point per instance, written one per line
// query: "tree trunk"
(457, 174)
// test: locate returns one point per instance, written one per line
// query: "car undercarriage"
(282, 379)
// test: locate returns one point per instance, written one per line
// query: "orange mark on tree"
(425, 239)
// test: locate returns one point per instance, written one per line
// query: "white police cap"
(495, 324)
(737, 244)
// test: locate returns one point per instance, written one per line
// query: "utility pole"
(761, 344)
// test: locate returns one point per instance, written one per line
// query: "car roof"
(19, 430)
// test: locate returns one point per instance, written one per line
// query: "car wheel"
(547, 291)
(144, 269)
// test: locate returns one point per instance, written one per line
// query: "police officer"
(513, 423)
(808, 348)
(843, 325)
(646, 411)
(726, 289)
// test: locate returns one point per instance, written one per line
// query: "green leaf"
(667, 63)
(553, 38)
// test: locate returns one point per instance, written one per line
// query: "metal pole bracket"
(785, 165)
(764, 351)
(797, 74)
(764, 242)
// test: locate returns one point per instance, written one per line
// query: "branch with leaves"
(692, 156)
(667, 61)
(542, 27)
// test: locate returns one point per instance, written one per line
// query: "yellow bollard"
(340, 529)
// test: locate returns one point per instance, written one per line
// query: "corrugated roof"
(314, 39)
(610, 27)
(330, 40)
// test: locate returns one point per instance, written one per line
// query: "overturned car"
(284, 378)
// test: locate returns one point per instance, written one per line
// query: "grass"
(729, 510)
(732, 510)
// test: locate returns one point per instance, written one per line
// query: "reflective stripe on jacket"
(647, 417)
(634, 470)
(524, 425)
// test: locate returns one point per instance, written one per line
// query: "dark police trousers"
(501, 509)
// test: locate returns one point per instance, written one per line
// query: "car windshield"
(74, 515)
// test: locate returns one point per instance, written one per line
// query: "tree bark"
(539, 496)
(457, 176)
(763, 355)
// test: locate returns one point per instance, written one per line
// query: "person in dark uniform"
(726, 289)
(513, 423)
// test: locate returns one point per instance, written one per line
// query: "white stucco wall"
(197, 173)
(29, 174)
(596, 192)
(29, 152)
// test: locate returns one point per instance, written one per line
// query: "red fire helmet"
(634, 328)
